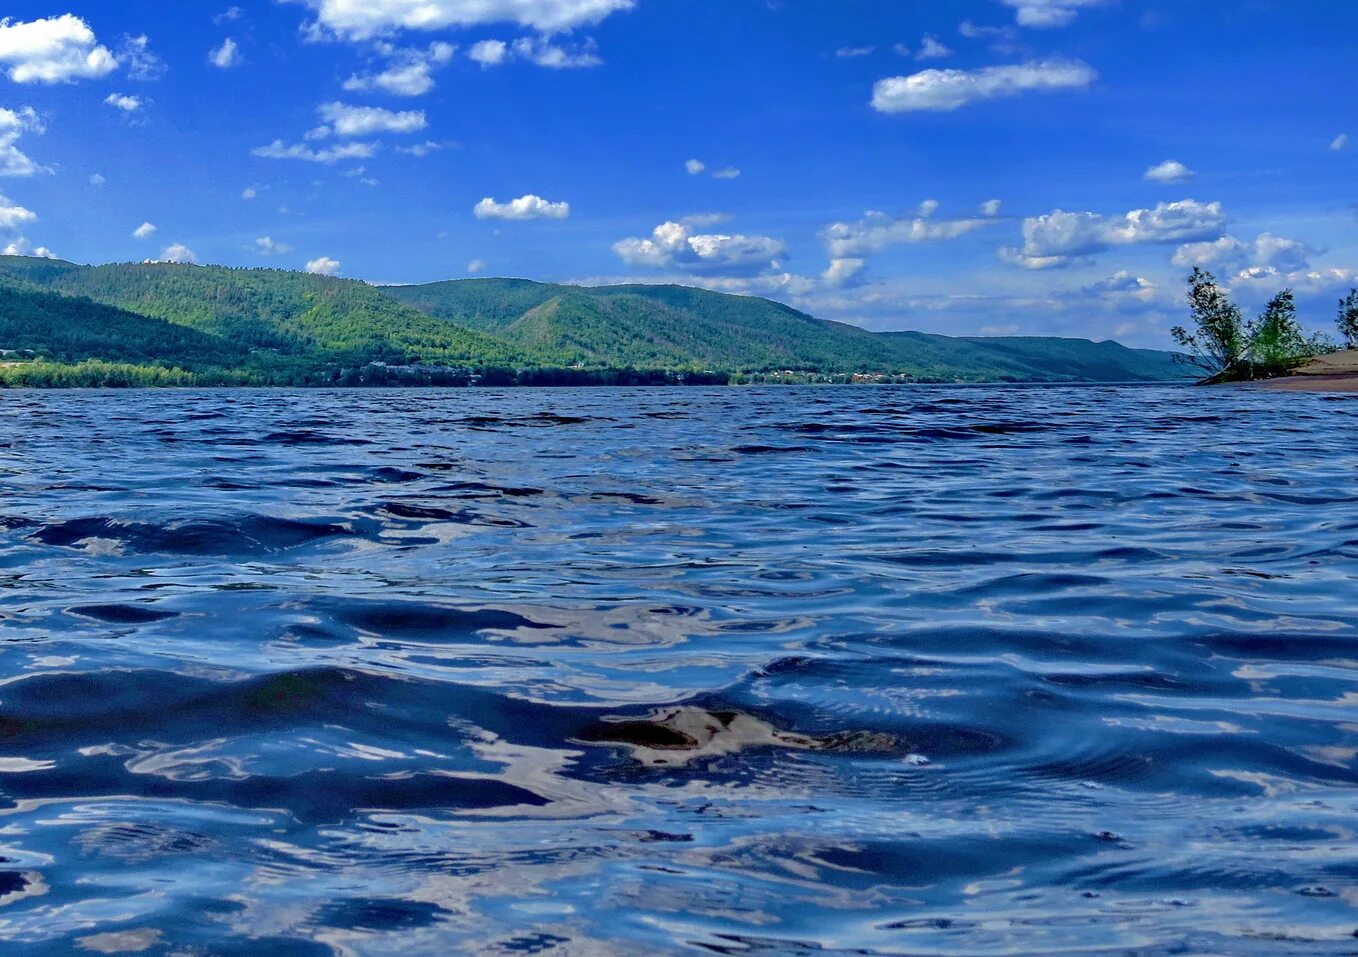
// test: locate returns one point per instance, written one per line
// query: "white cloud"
(364, 20)
(425, 148)
(1170, 171)
(144, 231)
(991, 207)
(1045, 14)
(929, 207)
(348, 121)
(13, 125)
(694, 166)
(324, 266)
(931, 49)
(300, 151)
(675, 246)
(475, 266)
(12, 215)
(726, 172)
(141, 62)
(1269, 279)
(120, 101)
(877, 231)
(265, 246)
(1268, 253)
(1339, 142)
(250, 192)
(841, 272)
(226, 56)
(22, 247)
(1059, 237)
(55, 50)
(489, 52)
(97, 180)
(849, 53)
(228, 15)
(409, 72)
(1122, 286)
(943, 90)
(177, 253)
(973, 31)
(541, 52)
(525, 207)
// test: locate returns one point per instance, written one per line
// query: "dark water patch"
(123, 614)
(244, 536)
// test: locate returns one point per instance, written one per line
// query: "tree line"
(1227, 347)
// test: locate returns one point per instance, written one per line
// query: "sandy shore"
(1337, 372)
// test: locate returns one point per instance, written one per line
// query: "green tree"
(1348, 319)
(1218, 343)
(1276, 338)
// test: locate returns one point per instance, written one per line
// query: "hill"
(163, 322)
(681, 327)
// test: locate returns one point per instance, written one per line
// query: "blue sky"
(977, 166)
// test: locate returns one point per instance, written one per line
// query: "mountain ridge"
(274, 326)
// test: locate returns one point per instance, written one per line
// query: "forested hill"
(684, 327)
(180, 323)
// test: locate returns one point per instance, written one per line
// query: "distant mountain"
(172, 323)
(681, 327)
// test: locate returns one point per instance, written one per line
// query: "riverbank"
(1336, 372)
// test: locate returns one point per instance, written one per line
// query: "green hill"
(295, 316)
(681, 327)
(163, 322)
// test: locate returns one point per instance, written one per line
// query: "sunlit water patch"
(953, 671)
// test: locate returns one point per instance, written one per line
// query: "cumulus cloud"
(226, 56)
(1267, 252)
(371, 18)
(539, 51)
(13, 125)
(265, 246)
(530, 206)
(22, 247)
(144, 231)
(97, 180)
(177, 253)
(1339, 142)
(120, 101)
(489, 52)
(944, 90)
(300, 151)
(1268, 279)
(1045, 14)
(991, 207)
(1170, 171)
(323, 266)
(409, 72)
(13, 216)
(841, 272)
(1058, 238)
(1122, 286)
(54, 50)
(141, 62)
(674, 245)
(877, 231)
(932, 49)
(428, 146)
(694, 166)
(475, 266)
(726, 172)
(347, 121)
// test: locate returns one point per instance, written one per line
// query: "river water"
(912, 671)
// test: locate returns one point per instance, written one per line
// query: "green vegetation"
(1348, 319)
(755, 339)
(1228, 349)
(65, 324)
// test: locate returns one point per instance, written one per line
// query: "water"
(953, 671)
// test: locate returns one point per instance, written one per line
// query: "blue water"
(944, 671)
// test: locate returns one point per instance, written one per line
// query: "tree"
(1348, 319)
(1276, 338)
(1217, 343)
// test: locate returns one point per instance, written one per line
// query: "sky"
(1016, 167)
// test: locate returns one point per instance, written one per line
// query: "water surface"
(944, 671)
